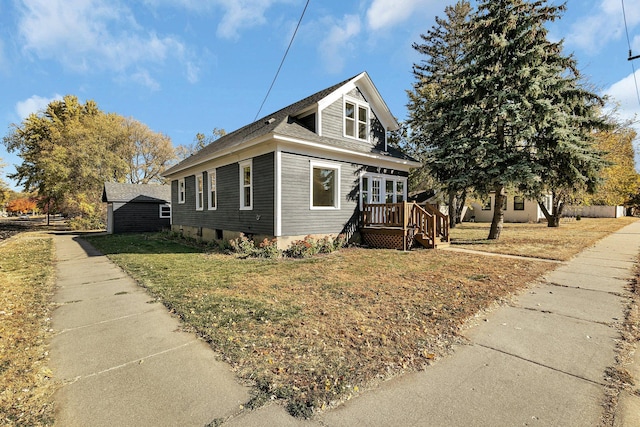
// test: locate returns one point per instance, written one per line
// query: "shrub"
(269, 249)
(301, 248)
(310, 246)
(245, 248)
(87, 223)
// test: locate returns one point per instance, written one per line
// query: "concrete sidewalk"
(537, 362)
(122, 357)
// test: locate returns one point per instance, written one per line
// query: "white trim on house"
(382, 195)
(278, 193)
(336, 167)
(165, 210)
(261, 146)
(212, 202)
(243, 185)
(350, 155)
(319, 121)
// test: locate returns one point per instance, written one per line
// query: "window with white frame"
(390, 191)
(376, 190)
(365, 192)
(399, 191)
(181, 191)
(211, 188)
(325, 186)
(356, 120)
(246, 185)
(165, 211)
(383, 188)
(199, 191)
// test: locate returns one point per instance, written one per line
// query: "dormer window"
(356, 120)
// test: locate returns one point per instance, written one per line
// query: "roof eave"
(371, 156)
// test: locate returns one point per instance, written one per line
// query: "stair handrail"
(442, 222)
(425, 223)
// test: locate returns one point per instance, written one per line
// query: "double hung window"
(165, 211)
(181, 191)
(211, 184)
(356, 120)
(199, 191)
(246, 185)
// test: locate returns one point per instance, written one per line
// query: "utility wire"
(282, 62)
(631, 57)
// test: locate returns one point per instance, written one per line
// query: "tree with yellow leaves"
(620, 180)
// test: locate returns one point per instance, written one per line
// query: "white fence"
(594, 211)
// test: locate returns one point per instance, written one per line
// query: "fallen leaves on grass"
(314, 332)
(26, 386)
(537, 240)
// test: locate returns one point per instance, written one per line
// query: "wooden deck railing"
(425, 222)
(442, 222)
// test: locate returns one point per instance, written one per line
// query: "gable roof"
(140, 193)
(282, 123)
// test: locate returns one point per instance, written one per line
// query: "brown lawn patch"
(26, 287)
(316, 331)
(538, 240)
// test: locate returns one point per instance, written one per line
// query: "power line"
(282, 62)
(631, 57)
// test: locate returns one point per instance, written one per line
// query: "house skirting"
(386, 238)
(224, 236)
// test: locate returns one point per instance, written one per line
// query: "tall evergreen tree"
(522, 117)
(434, 137)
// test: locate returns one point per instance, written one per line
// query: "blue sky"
(188, 66)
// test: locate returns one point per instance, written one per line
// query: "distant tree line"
(71, 149)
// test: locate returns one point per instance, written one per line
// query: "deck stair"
(400, 225)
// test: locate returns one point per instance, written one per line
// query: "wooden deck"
(401, 225)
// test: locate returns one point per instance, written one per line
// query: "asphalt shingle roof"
(280, 123)
(142, 193)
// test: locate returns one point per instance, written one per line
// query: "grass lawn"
(538, 240)
(313, 332)
(26, 286)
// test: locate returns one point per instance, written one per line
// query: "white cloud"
(143, 78)
(92, 34)
(193, 72)
(386, 13)
(237, 15)
(242, 14)
(624, 98)
(592, 32)
(340, 40)
(624, 94)
(34, 104)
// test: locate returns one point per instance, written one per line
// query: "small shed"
(137, 207)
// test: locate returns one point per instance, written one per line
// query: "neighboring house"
(137, 207)
(304, 170)
(516, 209)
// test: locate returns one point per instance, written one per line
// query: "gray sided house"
(137, 207)
(304, 170)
